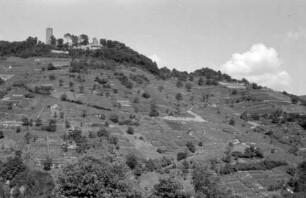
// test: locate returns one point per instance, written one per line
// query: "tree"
(1, 134)
(75, 40)
(179, 84)
(27, 137)
(53, 41)
(38, 122)
(12, 167)
(167, 188)
(131, 161)
(84, 39)
(191, 147)
(94, 177)
(2, 81)
(64, 97)
(130, 130)
(153, 110)
(35, 183)
(188, 86)
(103, 42)
(201, 81)
(178, 96)
(103, 133)
(181, 155)
(67, 36)
(114, 118)
(204, 181)
(47, 163)
(25, 122)
(301, 177)
(60, 42)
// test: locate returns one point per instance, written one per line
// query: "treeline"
(120, 54)
(24, 49)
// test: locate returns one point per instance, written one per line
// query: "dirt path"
(196, 118)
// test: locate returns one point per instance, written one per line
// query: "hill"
(114, 105)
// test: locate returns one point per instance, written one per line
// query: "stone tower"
(49, 33)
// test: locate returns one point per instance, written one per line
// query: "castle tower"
(49, 33)
(95, 41)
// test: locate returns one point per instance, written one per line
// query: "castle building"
(49, 33)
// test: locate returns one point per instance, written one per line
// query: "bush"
(94, 177)
(51, 67)
(114, 118)
(191, 147)
(232, 122)
(146, 95)
(113, 140)
(64, 97)
(131, 161)
(36, 183)
(201, 81)
(168, 188)
(47, 163)
(92, 134)
(178, 96)
(130, 130)
(103, 133)
(179, 84)
(12, 167)
(18, 129)
(1, 134)
(51, 77)
(188, 86)
(181, 155)
(234, 92)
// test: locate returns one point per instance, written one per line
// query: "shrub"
(92, 134)
(64, 97)
(47, 163)
(181, 155)
(102, 116)
(38, 122)
(179, 84)
(1, 134)
(234, 92)
(103, 133)
(94, 177)
(232, 122)
(191, 147)
(18, 129)
(51, 67)
(36, 183)
(114, 118)
(178, 96)
(130, 130)
(51, 77)
(201, 81)
(113, 140)
(131, 161)
(11, 168)
(188, 86)
(168, 188)
(146, 95)
(29, 95)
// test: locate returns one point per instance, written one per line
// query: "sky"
(263, 41)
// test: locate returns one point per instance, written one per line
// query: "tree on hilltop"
(84, 39)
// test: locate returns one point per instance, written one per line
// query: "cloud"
(155, 58)
(296, 35)
(260, 65)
